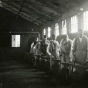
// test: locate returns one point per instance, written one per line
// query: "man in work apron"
(44, 59)
(80, 48)
(80, 52)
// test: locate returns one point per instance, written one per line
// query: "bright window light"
(44, 31)
(15, 40)
(49, 32)
(57, 29)
(64, 27)
(74, 24)
(85, 21)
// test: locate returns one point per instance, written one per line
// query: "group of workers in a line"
(69, 51)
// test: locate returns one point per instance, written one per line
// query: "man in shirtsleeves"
(53, 50)
(44, 45)
(35, 50)
(65, 48)
(44, 59)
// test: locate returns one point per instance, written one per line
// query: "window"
(15, 40)
(44, 31)
(74, 24)
(49, 31)
(57, 29)
(85, 21)
(64, 27)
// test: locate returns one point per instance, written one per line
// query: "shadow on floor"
(14, 74)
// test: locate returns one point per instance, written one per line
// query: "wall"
(9, 22)
(8, 25)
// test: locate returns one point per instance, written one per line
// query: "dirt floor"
(15, 74)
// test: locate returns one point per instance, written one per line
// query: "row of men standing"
(67, 51)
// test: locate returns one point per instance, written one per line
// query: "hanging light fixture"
(81, 9)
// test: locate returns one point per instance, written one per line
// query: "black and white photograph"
(43, 43)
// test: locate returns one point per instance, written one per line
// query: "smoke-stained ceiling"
(40, 12)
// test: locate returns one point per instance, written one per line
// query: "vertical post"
(60, 27)
(53, 29)
(42, 32)
(68, 25)
(80, 20)
(47, 31)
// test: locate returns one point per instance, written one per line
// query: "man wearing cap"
(80, 56)
(80, 48)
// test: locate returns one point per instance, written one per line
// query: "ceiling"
(40, 12)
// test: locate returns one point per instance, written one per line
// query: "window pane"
(57, 29)
(49, 31)
(64, 27)
(85, 21)
(15, 40)
(74, 24)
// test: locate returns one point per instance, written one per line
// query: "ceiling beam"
(44, 15)
(15, 11)
(21, 7)
(25, 10)
(38, 10)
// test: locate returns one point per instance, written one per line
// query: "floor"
(14, 74)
